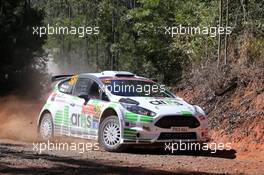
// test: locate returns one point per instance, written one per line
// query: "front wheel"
(110, 135)
(46, 127)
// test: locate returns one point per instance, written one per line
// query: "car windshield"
(136, 88)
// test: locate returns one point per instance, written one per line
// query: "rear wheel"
(110, 135)
(46, 127)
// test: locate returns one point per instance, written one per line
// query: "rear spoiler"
(59, 77)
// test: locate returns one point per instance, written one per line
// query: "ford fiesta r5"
(119, 109)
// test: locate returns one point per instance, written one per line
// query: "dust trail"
(18, 115)
(18, 118)
(61, 66)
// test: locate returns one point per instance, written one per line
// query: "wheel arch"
(45, 111)
(108, 112)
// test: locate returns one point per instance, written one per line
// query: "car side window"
(82, 86)
(86, 86)
(94, 91)
(66, 87)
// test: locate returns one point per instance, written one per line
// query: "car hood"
(163, 105)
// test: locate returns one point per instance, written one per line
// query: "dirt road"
(18, 122)
(21, 158)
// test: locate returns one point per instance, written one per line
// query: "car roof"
(111, 75)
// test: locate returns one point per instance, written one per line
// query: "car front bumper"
(148, 133)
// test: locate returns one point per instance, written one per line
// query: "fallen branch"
(231, 85)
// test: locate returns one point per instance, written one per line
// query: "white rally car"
(119, 108)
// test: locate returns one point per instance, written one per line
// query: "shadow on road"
(33, 164)
(228, 154)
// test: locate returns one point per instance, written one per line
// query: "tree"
(20, 51)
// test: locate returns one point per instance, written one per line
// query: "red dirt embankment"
(236, 116)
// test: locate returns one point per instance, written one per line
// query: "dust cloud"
(18, 118)
(18, 115)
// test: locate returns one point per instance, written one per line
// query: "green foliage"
(132, 35)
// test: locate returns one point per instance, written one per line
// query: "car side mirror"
(85, 97)
(105, 97)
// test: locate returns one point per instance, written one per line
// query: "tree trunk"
(219, 36)
(226, 37)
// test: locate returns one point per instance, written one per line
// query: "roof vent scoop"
(118, 73)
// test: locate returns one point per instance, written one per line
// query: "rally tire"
(46, 131)
(109, 135)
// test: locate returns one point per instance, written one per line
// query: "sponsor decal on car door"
(84, 118)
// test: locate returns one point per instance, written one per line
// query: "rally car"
(118, 109)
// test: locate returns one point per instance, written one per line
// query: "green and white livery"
(119, 109)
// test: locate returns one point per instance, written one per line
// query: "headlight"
(199, 110)
(138, 110)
